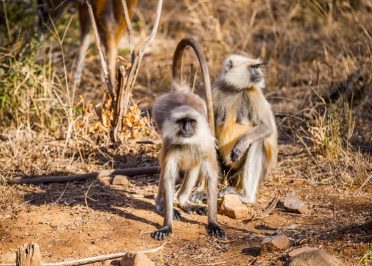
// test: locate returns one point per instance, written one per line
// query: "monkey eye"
(186, 120)
(229, 65)
(255, 66)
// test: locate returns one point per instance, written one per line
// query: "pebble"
(293, 203)
(121, 180)
(276, 242)
(232, 206)
(136, 259)
(314, 258)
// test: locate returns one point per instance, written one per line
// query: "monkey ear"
(229, 65)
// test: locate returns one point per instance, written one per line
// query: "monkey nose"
(187, 130)
(256, 78)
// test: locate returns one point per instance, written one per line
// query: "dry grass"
(309, 46)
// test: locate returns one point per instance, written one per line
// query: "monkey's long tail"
(177, 73)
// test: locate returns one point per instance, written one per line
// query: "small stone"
(315, 257)
(121, 180)
(272, 243)
(232, 206)
(136, 259)
(300, 250)
(294, 204)
(105, 180)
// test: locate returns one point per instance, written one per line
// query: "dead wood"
(128, 78)
(28, 255)
(269, 209)
(79, 177)
(32, 251)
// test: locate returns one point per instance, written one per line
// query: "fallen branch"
(83, 261)
(66, 178)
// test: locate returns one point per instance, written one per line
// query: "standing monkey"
(111, 24)
(188, 145)
(245, 125)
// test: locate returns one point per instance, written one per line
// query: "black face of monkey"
(256, 75)
(187, 127)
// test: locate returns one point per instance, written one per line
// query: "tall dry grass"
(308, 45)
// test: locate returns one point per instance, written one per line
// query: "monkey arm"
(255, 134)
(265, 127)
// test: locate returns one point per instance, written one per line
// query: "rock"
(105, 180)
(300, 250)
(315, 258)
(136, 259)
(293, 203)
(232, 206)
(272, 243)
(121, 180)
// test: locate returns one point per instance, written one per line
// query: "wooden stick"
(269, 209)
(78, 177)
(100, 258)
(95, 258)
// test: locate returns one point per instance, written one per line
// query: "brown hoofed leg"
(85, 41)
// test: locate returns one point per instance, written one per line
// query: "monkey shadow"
(115, 155)
(99, 196)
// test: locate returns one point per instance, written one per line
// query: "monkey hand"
(162, 233)
(215, 230)
(237, 152)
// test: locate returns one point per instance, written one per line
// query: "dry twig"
(128, 79)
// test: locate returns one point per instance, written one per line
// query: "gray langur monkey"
(246, 132)
(188, 144)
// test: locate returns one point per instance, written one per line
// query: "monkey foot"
(227, 191)
(215, 230)
(232, 190)
(176, 215)
(198, 197)
(162, 233)
(198, 209)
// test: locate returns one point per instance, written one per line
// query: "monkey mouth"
(186, 135)
(256, 78)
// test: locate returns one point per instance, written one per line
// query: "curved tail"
(177, 75)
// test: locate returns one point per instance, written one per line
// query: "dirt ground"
(310, 49)
(81, 219)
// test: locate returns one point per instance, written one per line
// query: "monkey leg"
(188, 184)
(166, 187)
(159, 203)
(199, 195)
(85, 41)
(252, 171)
(213, 228)
(168, 214)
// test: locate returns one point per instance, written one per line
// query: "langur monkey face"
(185, 126)
(242, 72)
